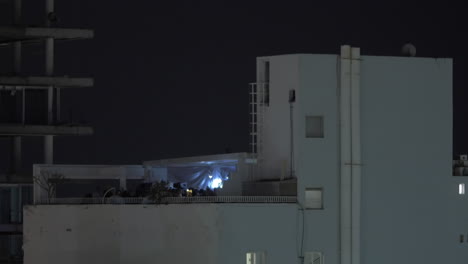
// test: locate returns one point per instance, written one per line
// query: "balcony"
(223, 178)
(9, 34)
(39, 130)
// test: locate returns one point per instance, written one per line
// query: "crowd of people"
(144, 190)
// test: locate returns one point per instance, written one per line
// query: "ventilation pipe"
(345, 155)
(350, 154)
(355, 156)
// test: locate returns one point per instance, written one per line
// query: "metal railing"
(173, 200)
(259, 99)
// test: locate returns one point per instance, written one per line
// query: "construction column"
(350, 156)
(49, 62)
(16, 166)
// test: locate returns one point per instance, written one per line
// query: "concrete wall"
(314, 79)
(407, 188)
(317, 158)
(193, 233)
(276, 126)
(410, 205)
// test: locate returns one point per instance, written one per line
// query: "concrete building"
(365, 142)
(30, 106)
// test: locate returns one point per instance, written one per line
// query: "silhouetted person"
(117, 198)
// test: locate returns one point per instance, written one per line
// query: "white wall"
(192, 233)
(276, 127)
(410, 205)
(317, 158)
(408, 189)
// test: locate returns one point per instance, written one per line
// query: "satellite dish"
(408, 50)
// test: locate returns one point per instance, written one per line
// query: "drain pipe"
(355, 156)
(345, 155)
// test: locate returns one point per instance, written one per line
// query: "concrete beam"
(41, 130)
(11, 228)
(37, 81)
(8, 180)
(200, 160)
(9, 34)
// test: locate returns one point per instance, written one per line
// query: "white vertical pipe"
(17, 57)
(17, 153)
(49, 7)
(356, 155)
(17, 45)
(49, 62)
(17, 68)
(57, 98)
(23, 106)
(14, 214)
(20, 203)
(17, 10)
(345, 155)
(49, 149)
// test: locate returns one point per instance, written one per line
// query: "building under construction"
(30, 106)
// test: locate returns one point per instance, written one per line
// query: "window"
(461, 188)
(265, 89)
(314, 126)
(314, 198)
(266, 94)
(266, 73)
(313, 258)
(258, 257)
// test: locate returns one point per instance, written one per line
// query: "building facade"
(366, 141)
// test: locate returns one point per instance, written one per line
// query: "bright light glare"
(216, 183)
(210, 176)
(461, 188)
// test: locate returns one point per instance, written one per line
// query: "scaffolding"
(18, 86)
(19, 121)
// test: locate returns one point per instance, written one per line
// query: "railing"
(259, 98)
(173, 200)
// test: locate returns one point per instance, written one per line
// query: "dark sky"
(171, 77)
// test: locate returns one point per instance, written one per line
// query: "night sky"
(171, 77)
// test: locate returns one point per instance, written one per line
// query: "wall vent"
(313, 258)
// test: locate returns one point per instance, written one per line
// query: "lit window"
(256, 257)
(314, 198)
(314, 126)
(461, 188)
